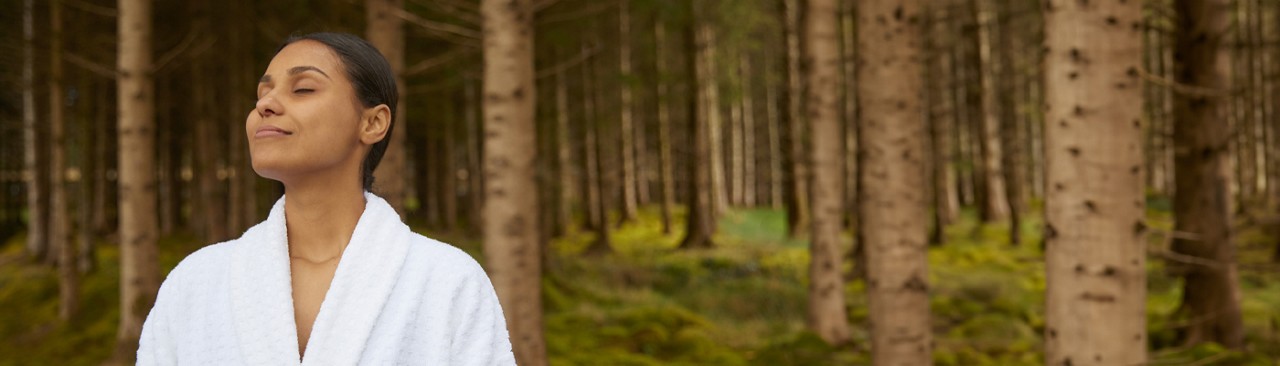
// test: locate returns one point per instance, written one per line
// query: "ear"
(374, 124)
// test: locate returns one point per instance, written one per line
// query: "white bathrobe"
(397, 298)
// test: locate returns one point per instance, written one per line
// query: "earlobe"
(377, 121)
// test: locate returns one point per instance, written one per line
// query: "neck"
(320, 218)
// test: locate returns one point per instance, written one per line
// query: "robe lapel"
(262, 293)
(366, 274)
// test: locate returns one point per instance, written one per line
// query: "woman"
(332, 276)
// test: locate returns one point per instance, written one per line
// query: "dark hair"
(372, 79)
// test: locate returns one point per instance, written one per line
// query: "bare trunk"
(748, 134)
(1011, 132)
(700, 220)
(386, 32)
(511, 207)
(598, 175)
(567, 193)
(736, 159)
(1094, 213)
(1211, 296)
(35, 146)
(475, 155)
(848, 73)
(626, 128)
(890, 201)
(709, 90)
(59, 215)
(139, 267)
(211, 199)
(793, 124)
(449, 179)
(591, 156)
(827, 315)
(775, 146)
(941, 124)
(995, 206)
(665, 170)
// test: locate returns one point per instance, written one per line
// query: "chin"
(270, 167)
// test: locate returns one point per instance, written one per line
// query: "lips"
(271, 131)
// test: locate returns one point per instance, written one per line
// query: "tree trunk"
(827, 315)
(591, 155)
(891, 203)
(206, 151)
(941, 124)
(511, 207)
(994, 206)
(736, 182)
(700, 221)
(59, 216)
(1094, 224)
(776, 180)
(448, 167)
(709, 91)
(35, 157)
(1011, 133)
(475, 155)
(567, 193)
(1211, 296)
(663, 95)
(597, 175)
(748, 133)
(626, 128)
(139, 267)
(386, 32)
(793, 126)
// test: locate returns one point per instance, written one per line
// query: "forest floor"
(741, 303)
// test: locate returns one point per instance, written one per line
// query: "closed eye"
(304, 91)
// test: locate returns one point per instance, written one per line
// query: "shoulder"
(441, 258)
(199, 268)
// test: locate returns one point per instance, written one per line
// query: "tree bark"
(827, 315)
(776, 180)
(511, 207)
(1094, 206)
(1011, 130)
(591, 155)
(1211, 296)
(598, 177)
(626, 124)
(386, 32)
(567, 190)
(994, 206)
(709, 91)
(700, 221)
(139, 267)
(946, 200)
(59, 216)
(748, 133)
(206, 151)
(35, 157)
(475, 155)
(663, 96)
(890, 201)
(793, 126)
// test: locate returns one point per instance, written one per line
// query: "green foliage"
(740, 303)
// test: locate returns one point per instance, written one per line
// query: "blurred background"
(653, 116)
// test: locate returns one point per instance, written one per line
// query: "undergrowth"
(740, 303)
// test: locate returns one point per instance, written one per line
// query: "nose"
(268, 106)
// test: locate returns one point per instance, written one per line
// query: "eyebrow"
(294, 71)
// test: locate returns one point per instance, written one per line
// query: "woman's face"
(307, 119)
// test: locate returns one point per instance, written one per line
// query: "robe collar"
(262, 291)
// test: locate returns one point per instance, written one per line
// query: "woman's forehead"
(305, 53)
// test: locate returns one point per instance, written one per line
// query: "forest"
(708, 182)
